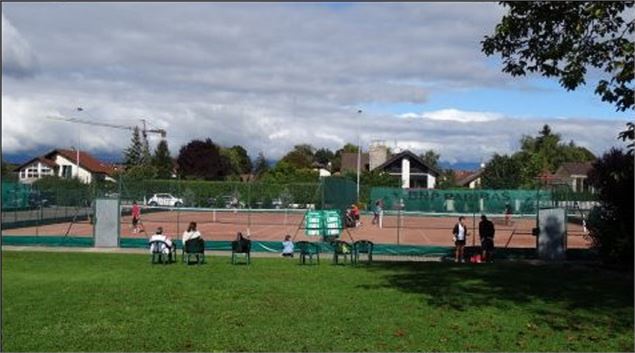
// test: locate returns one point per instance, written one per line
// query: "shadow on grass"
(554, 293)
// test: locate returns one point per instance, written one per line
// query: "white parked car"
(164, 200)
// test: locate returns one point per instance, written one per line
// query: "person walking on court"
(378, 213)
(459, 233)
(136, 216)
(486, 234)
(508, 214)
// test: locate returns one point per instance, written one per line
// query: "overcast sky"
(268, 76)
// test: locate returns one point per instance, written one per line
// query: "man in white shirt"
(460, 233)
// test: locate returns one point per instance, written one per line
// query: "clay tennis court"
(273, 225)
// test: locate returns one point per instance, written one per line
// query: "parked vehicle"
(277, 203)
(165, 200)
(39, 199)
(232, 202)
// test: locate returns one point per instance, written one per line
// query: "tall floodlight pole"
(79, 109)
(359, 155)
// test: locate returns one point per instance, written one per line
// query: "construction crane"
(144, 130)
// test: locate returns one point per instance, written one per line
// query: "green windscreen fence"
(338, 193)
(15, 195)
(461, 200)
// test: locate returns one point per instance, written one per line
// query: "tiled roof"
(577, 168)
(469, 177)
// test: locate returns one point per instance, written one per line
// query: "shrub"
(611, 224)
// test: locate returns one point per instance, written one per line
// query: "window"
(67, 171)
(31, 173)
(419, 181)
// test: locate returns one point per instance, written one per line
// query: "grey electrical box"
(552, 237)
(106, 223)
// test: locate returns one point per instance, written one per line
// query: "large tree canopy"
(542, 153)
(431, 158)
(162, 161)
(260, 165)
(201, 160)
(565, 40)
(300, 157)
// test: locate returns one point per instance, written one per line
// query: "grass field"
(119, 302)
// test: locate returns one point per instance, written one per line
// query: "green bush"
(611, 224)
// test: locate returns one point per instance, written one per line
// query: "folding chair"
(194, 247)
(363, 247)
(158, 255)
(343, 249)
(242, 246)
(308, 249)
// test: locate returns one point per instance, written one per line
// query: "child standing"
(287, 246)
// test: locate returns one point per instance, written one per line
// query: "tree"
(336, 163)
(285, 173)
(431, 158)
(244, 162)
(146, 157)
(611, 224)
(162, 161)
(628, 134)
(142, 172)
(374, 178)
(447, 180)
(349, 147)
(133, 155)
(7, 173)
(564, 40)
(324, 156)
(231, 161)
(502, 172)
(300, 157)
(260, 165)
(545, 153)
(201, 160)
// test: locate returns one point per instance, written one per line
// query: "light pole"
(359, 155)
(79, 109)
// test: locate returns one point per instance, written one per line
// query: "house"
(575, 175)
(64, 164)
(413, 171)
(468, 179)
(406, 166)
(349, 162)
(323, 170)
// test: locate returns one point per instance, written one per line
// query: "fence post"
(398, 221)
(248, 208)
(474, 218)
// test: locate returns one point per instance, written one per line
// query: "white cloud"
(263, 75)
(18, 59)
(454, 115)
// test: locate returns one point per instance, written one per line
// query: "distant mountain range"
(19, 158)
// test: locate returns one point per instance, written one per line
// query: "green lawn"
(119, 302)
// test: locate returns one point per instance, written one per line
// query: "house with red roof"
(65, 164)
